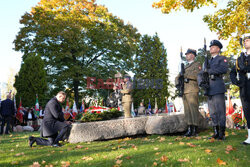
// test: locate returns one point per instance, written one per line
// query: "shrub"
(98, 116)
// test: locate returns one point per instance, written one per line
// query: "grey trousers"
(217, 109)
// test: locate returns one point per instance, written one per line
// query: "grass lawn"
(152, 150)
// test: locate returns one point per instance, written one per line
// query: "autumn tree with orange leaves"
(229, 23)
(76, 39)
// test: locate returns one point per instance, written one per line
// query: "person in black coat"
(29, 115)
(240, 76)
(7, 111)
(53, 127)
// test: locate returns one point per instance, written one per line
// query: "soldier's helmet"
(216, 43)
(246, 36)
(191, 51)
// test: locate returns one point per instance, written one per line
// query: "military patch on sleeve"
(225, 60)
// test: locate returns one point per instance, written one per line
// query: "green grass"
(152, 150)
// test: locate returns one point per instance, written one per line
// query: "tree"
(31, 80)
(229, 23)
(151, 73)
(76, 39)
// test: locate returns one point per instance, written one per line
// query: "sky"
(177, 29)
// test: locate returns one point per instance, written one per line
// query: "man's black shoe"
(189, 131)
(194, 131)
(222, 133)
(56, 145)
(216, 132)
(245, 143)
(31, 140)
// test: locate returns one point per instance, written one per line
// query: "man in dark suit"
(240, 76)
(216, 92)
(7, 112)
(54, 127)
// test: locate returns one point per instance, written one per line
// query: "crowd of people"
(56, 128)
(8, 116)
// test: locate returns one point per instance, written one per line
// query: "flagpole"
(156, 107)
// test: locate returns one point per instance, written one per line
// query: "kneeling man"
(54, 126)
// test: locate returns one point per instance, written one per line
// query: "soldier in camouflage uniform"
(191, 90)
(127, 97)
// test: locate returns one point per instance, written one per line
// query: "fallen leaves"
(162, 139)
(87, 158)
(156, 148)
(119, 156)
(230, 148)
(19, 154)
(14, 162)
(220, 162)
(65, 163)
(79, 147)
(128, 157)
(118, 162)
(183, 160)
(164, 158)
(208, 151)
(35, 164)
(212, 140)
(155, 164)
(191, 145)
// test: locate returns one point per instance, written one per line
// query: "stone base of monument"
(156, 124)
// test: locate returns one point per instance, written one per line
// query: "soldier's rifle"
(205, 75)
(180, 84)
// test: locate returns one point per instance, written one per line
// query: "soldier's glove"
(241, 63)
(186, 80)
(204, 85)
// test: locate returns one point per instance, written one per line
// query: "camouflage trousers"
(127, 109)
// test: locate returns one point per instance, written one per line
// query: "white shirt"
(29, 115)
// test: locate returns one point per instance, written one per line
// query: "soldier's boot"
(247, 141)
(216, 132)
(194, 131)
(222, 133)
(189, 131)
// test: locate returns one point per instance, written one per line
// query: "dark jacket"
(53, 120)
(218, 67)
(242, 81)
(7, 108)
(25, 116)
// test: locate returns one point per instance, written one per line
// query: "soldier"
(216, 91)
(242, 69)
(127, 98)
(191, 89)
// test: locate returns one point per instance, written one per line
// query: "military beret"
(216, 43)
(246, 36)
(191, 51)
